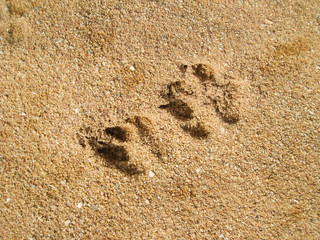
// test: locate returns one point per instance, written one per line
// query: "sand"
(159, 119)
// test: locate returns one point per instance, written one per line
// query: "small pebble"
(132, 68)
(268, 21)
(67, 223)
(151, 174)
(76, 110)
(23, 114)
(198, 170)
(79, 205)
(222, 130)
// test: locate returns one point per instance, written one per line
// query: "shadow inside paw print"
(179, 109)
(196, 130)
(115, 155)
(120, 133)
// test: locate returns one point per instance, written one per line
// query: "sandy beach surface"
(158, 119)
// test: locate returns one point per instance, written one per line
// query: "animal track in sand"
(222, 89)
(114, 143)
(226, 91)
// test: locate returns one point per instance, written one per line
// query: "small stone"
(76, 110)
(132, 68)
(23, 114)
(268, 21)
(8, 200)
(67, 223)
(151, 174)
(222, 130)
(198, 170)
(79, 205)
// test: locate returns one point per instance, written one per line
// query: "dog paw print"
(113, 145)
(221, 89)
(224, 91)
(177, 94)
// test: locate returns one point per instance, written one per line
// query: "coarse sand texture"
(158, 119)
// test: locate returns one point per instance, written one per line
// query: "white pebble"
(222, 130)
(76, 110)
(132, 68)
(151, 174)
(23, 114)
(67, 223)
(79, 205)
(8, 200)
(198, 170)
